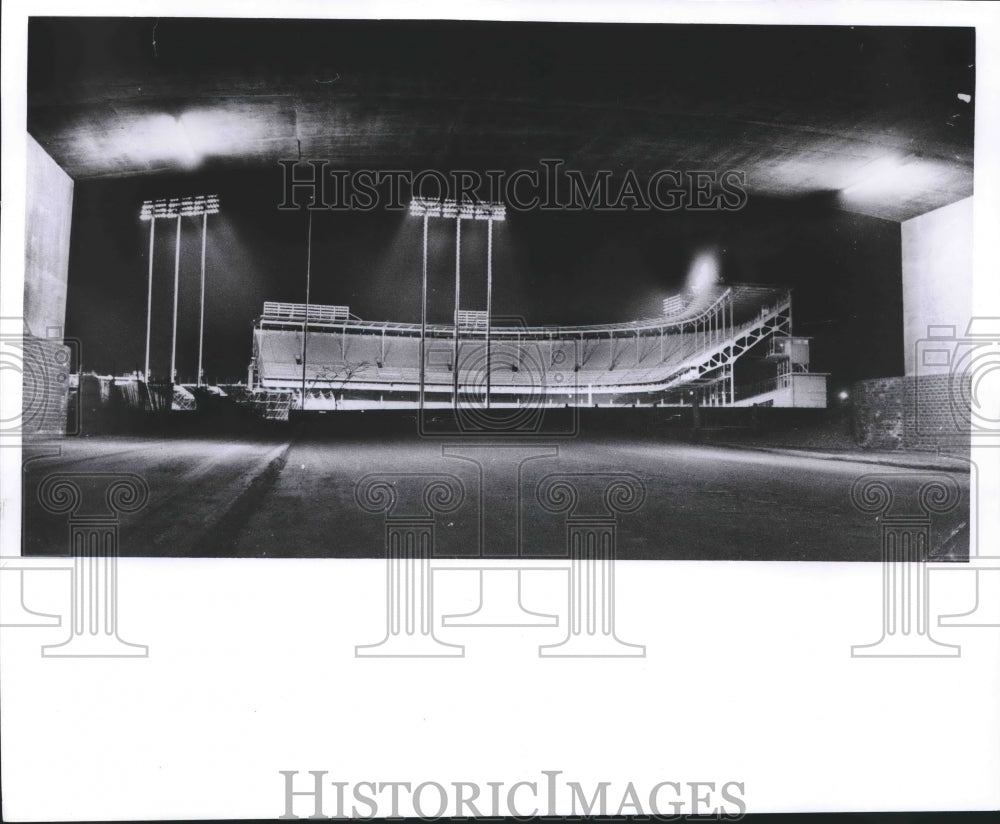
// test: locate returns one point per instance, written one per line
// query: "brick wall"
(924, 412)
(45, 386)
(878, 413)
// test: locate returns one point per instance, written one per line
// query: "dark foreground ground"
(291, 493)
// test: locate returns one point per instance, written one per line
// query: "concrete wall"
(809, 391)
(937, 274)
(46, 361)
(46, 244)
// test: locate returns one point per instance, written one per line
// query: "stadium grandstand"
(724, 345)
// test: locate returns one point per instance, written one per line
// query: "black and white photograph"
(635, 350)
(296, 253)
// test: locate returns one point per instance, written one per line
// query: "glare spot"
(704, 272)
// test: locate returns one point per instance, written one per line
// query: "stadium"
(689, 356)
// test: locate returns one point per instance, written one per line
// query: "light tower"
(177, 207)
(466, 210)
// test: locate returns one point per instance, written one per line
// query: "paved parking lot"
(295, 497)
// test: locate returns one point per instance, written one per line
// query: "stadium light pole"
(489, 309)
(423, 320)
(177, 276)
(177, 207)
(149, 298)
(732, 368)
(305, 322)
(458, 296)
(201, 317)
(466, 210)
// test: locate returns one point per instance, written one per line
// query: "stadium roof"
(880, 119)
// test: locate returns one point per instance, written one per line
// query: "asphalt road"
(212, 497)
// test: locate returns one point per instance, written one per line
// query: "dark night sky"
(550, 267)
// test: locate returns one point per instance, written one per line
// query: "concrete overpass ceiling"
(870, 116)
